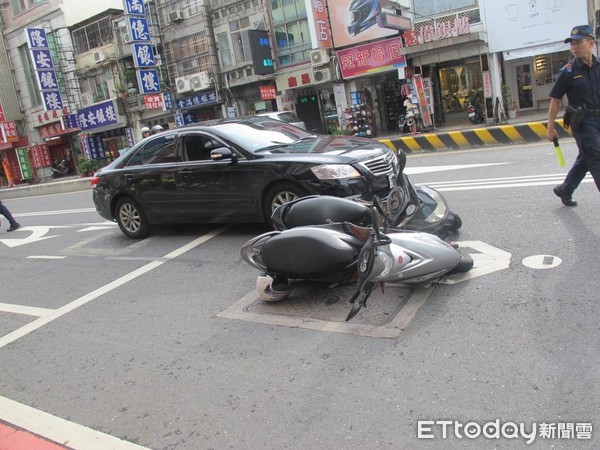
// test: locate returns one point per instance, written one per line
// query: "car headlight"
(335, 172)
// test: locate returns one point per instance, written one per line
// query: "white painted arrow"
(491, 259)
(37, 234)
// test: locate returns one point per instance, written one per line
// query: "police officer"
(580, 80)
(145, 132)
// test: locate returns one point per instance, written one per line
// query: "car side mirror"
(221, 153)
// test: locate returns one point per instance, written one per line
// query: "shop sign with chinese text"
(197, 100)
(381, 56)
(24, 164)
(41, 56)
(436, 29)
(154, 101)
(268, 92)
(322, 27)
(295, 79)
(98, 115)
(9, 132)
(40, 156)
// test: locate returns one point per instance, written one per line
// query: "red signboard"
(40, 156)
(1, 113)
(321, 24)
(10, 132)
(154, 101)
(268, 92)
(381, 56)
(49, 116)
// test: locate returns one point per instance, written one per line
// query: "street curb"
(476, 137)
(79, 184)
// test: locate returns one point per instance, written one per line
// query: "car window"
(288, 117)
(159, 150)
(198, 147)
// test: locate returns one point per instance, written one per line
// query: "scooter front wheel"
(465, 264)
(453, 222)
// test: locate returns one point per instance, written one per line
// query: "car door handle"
(129, 176)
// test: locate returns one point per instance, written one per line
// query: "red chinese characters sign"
(268, 92)
(436, 29)
(2, 118)
(10, 133)
(49, 116)
(321, 24)
(296, 79)
(40, 156)
(381, 56)
(154, 101)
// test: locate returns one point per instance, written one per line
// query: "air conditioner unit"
(182, 84)
(99, 57)
(321, 75)
(199, 81)
(319, 57)
(175, 16)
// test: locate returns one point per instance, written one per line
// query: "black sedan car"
(235, 171)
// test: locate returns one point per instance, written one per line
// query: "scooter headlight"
(441, 207)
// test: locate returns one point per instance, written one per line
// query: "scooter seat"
(317, 210)
(309, 252)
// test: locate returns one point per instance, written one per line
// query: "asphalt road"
(129, 337)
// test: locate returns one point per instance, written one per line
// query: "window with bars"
(93, 35)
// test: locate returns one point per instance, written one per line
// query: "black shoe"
(14, 227)
(566, 200)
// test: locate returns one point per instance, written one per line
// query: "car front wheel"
(131, 219)
(280, 194)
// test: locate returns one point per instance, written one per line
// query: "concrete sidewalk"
(53, 186)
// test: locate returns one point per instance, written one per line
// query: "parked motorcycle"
(60, 170)
(474, 110)
(337, 252)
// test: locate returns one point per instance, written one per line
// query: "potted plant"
(86, 167)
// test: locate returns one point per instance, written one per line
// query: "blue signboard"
(130, 136)
(97, 116)
(36, 38)
(41, 59)
(52, 100)
(143, 55)
(95, 147)
(46, 79)
(179, 122)
(69, 121)
(197, 100)
(139, 30)
(134, 7)
(188, 118)
(168, 101)
(148, 81)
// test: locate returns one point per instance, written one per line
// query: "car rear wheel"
(131, 219)
(280, 194)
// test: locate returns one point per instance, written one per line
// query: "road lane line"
(26, 310)
(57, 212)
(45, 257)
(60, 430)
(38, 323)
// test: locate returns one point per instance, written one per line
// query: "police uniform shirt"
(580, 82)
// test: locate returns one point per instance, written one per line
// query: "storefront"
(58, 130)
(459, 82)
(197, 108)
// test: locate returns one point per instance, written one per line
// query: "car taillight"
(94, 181)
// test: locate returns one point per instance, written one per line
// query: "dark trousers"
(6, 213)
(588, 159)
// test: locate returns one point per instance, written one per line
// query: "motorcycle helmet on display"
(157, 129)
(363, 15)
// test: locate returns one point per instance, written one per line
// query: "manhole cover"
(321, 302)
(319, 307)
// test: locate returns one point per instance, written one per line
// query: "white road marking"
(26, 310)
(498, 183)
(491, 259)
(542, 261)
(60, 430)
(45, 257)
(98, 228)
(432, 169)
(38, 323)
(54, 213)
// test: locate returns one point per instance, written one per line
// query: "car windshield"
(261, 136)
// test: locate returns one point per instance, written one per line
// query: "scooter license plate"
(391, 180)
(471, 114)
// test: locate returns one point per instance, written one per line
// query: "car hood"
(350, 147)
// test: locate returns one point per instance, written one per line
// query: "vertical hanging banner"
(418, 81)
(46, 78)
(24, 164)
